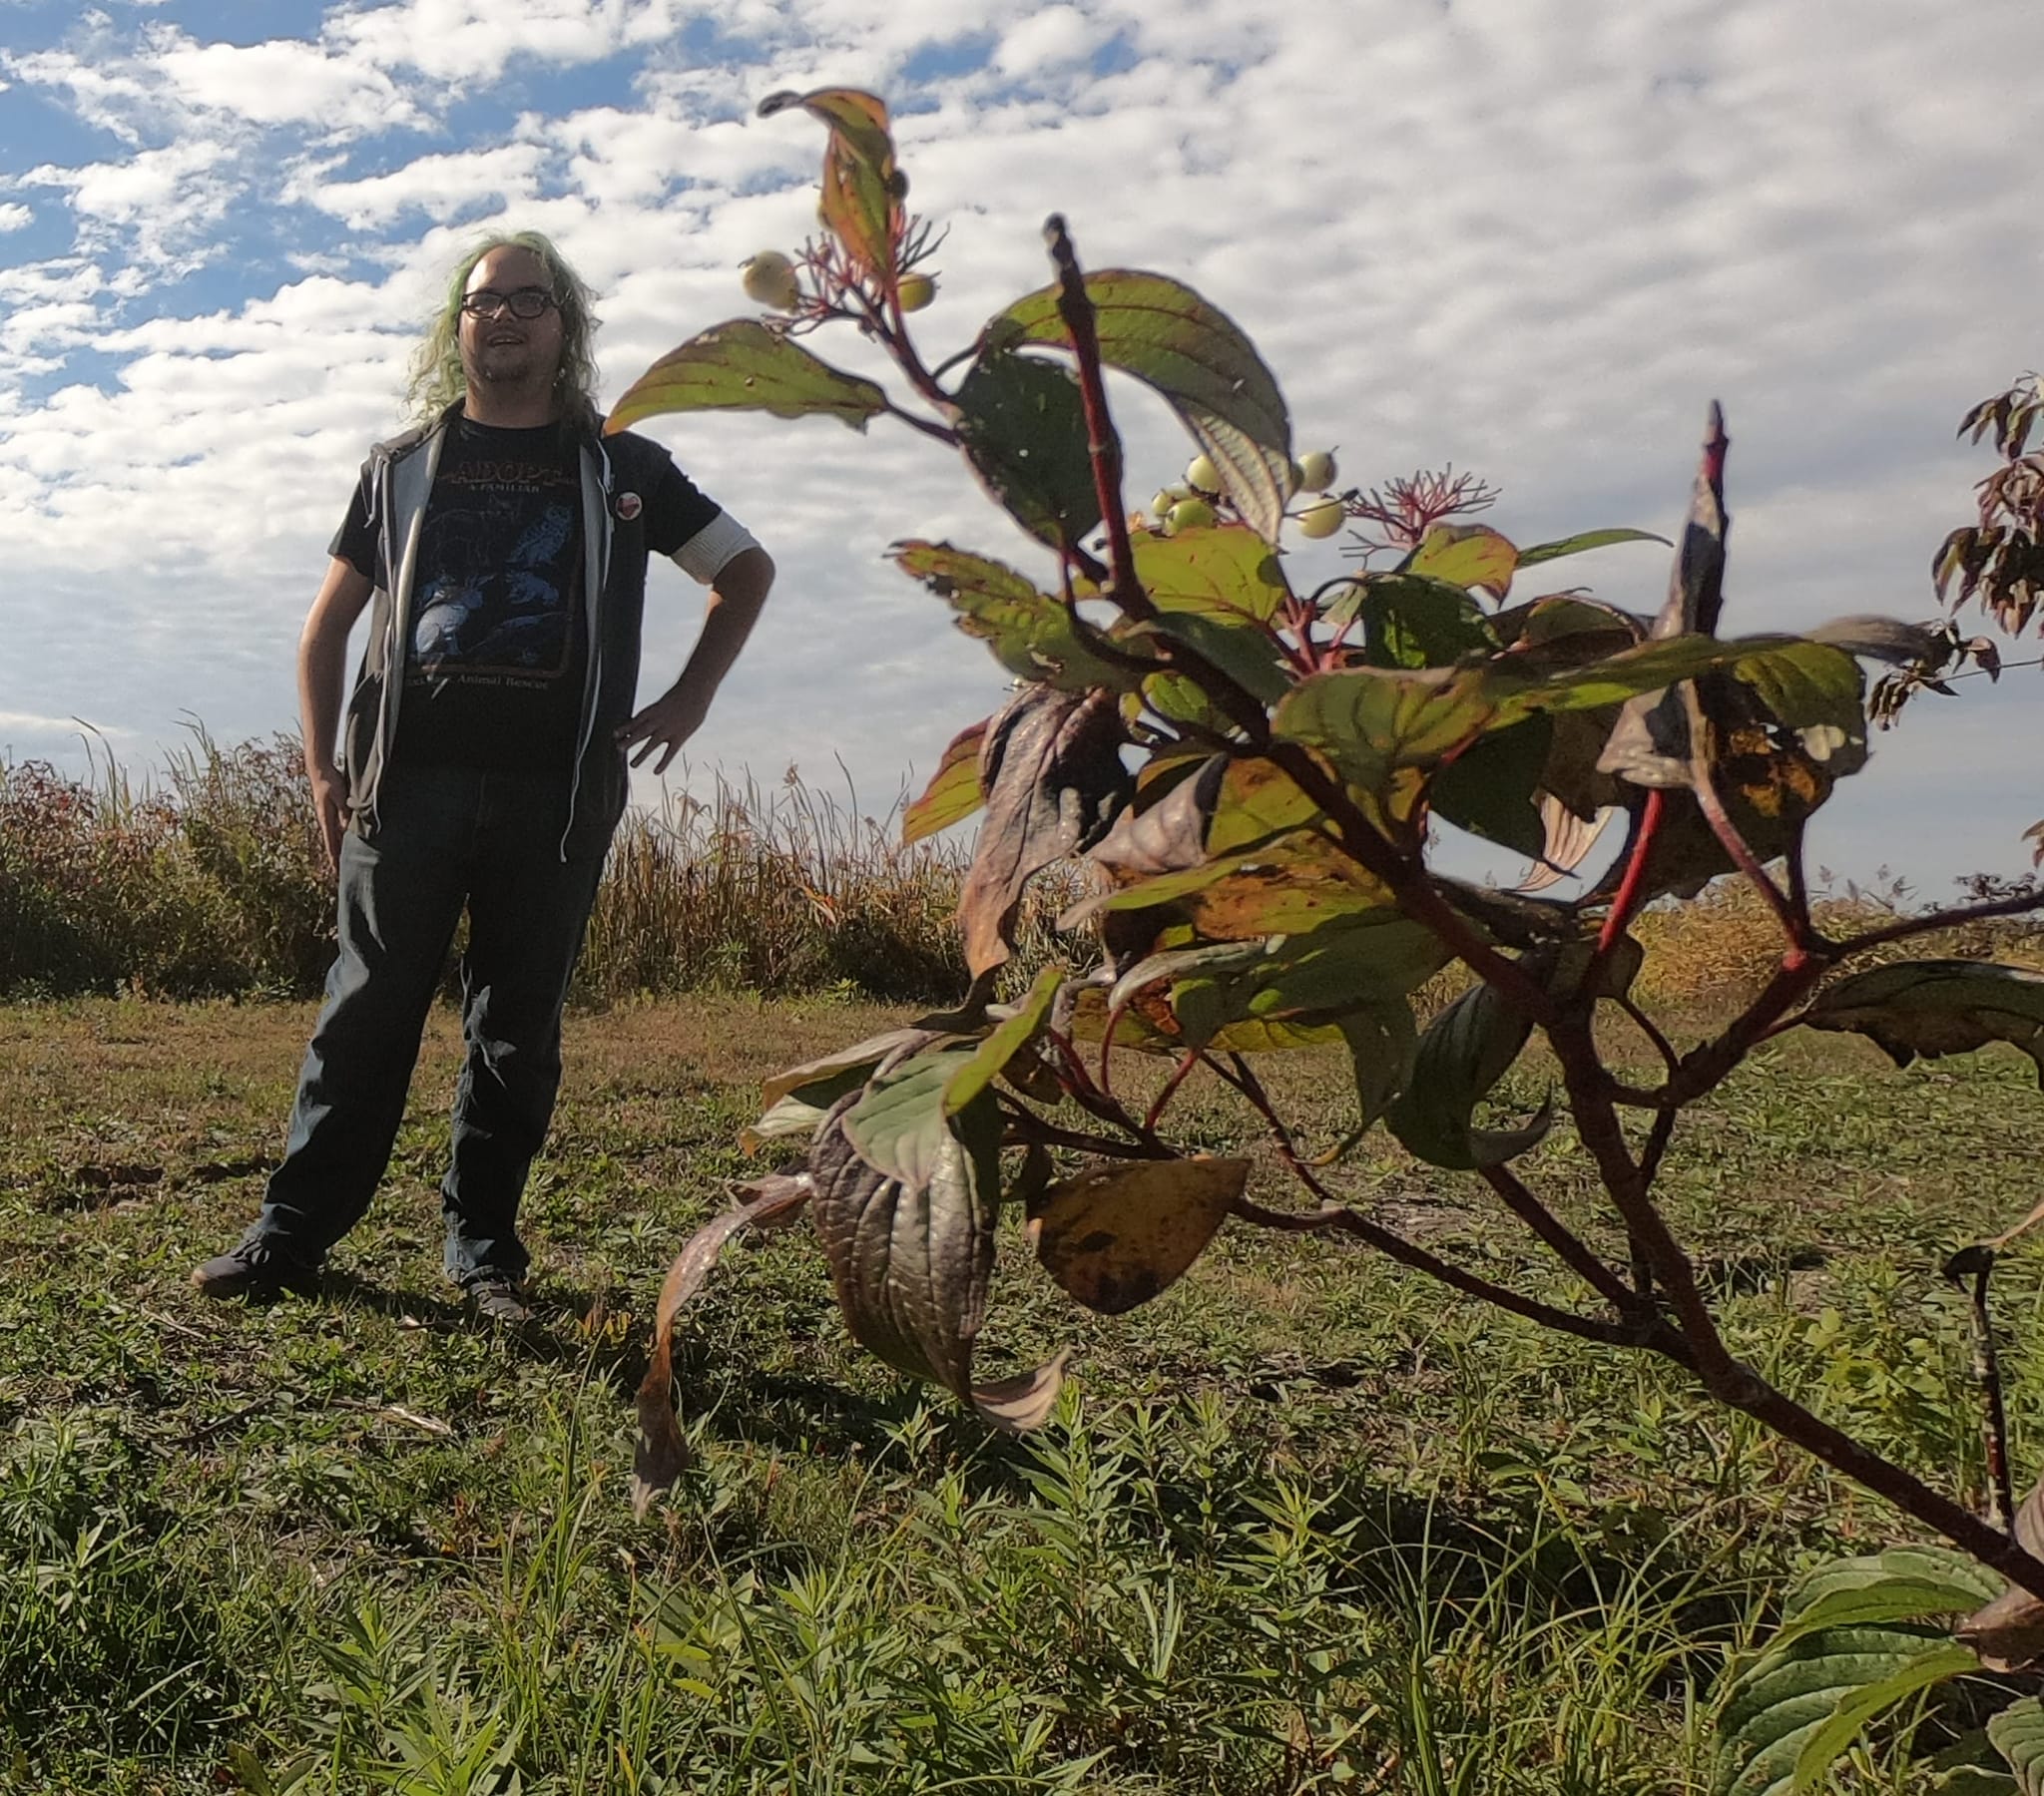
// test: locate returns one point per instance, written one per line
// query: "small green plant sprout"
(1248, 762)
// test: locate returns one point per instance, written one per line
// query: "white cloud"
(1052, 38)
(1523, 235)
(284, 82)
(14, 217)
(441, 186)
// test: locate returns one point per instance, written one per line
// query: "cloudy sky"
(1533, 237)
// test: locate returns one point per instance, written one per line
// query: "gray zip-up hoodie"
(399, 481)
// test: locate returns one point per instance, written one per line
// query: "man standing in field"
(501, 546)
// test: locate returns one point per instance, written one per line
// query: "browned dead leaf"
(1118, 1232)
(661, 1455)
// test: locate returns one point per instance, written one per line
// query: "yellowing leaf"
(1118, 1232)
(1464, 555)
(744, 367)
(953, 791)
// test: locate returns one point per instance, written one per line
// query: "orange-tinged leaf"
(862, 186)
(953, 791)
(1118, 1232)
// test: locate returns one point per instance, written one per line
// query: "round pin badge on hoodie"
(630, 505)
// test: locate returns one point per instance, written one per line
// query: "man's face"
(501, 349)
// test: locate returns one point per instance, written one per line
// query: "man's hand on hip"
(668, 723)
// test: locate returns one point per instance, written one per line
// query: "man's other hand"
(668, 723)
(330, 804)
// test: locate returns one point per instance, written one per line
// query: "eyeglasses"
(525, 303)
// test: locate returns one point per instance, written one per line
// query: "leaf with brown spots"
(1118, 1232)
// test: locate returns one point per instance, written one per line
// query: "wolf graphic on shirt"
(498, 609)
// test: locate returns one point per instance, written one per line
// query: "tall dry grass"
(206, 879)
(773, 890)
(1718, 950)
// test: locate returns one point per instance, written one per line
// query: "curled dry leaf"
(2009, 1634)
(662, 1455)
(1119, 1232)
(1052, 772)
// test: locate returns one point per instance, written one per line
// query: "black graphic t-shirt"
(494, 668)
(498, 649)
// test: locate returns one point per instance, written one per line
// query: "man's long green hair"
(438, 379)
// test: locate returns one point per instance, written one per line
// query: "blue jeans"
(445, 837)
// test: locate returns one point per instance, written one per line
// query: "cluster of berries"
(1189, 504)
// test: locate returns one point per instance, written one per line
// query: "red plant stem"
(1106, 1032)
(1652, 1031)
(1703, 1068)
(1567, 1245)
(1631, 887)
(1727, 1379)
(1103, 445)
(1408, 1253)
(1598, 1127)
(1187, 1062)
(1033, 1127)
(1796, 928)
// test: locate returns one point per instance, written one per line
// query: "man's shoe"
(252, 1271)
(498, 1299)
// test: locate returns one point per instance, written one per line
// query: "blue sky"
(1531, 237)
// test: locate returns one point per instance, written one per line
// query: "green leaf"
(1245, 654)
(899, 1124)
(1118, 1232)
(1223, 571)
(1023, 427)
(1464, 555)
(1198, 360)
(744, 367)
(1283, 887)
(1372, 722)
(1383, 1047)
(993, 1056)
(1411, 621)
(1463, 1053)
(1816, 691)
(1935, 1664)
(1586, 540)
(953, 791)
(862, 186)
(1859, 1637)
(1031, 633)
(1781, 1705)
(1938, 1007)
(2018, 1735)
(860, 1058)
(1488, 790)
(1257, 801)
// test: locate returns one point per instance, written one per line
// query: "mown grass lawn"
(1306, 1522)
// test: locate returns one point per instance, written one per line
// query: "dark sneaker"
(498, 1299)
(252, 1271)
